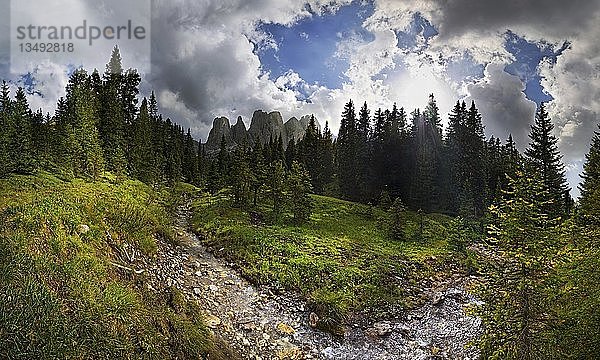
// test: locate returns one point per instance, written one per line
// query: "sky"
(228, 58)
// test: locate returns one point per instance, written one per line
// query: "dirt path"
(261, 325)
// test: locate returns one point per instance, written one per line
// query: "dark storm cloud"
(556, 18)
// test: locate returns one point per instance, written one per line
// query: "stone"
(380, 329)
(313, 319)
(83, 229)
(212, 321)
(197, 291)
(437, 299)
(285, 328)
(213, 288)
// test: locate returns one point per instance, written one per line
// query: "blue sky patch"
(309, 46)
(528, 56)
(407, 39)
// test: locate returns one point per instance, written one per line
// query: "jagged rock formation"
(239, 134)
(220, 129)
(263, 127)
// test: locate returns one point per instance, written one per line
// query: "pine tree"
(260, 170)
(590, 185)
(276, 188)
(299, 187)
(362, 154)
(545, 159)
(379, 171)
(475, 162)
(291, 153)
(241, 177)
(190, 161)
(426, 137)
(20, 135)
(346, 153)
(112, 127)
(326, 149)
(5, 121)
(142, 165)
(309, 154)
(516, 271)
(114, 65)
(79, 120)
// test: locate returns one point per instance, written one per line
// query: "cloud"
(505, 109)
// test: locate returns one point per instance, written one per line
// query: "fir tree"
(590, 185)
(545, 159)
(276, 188)
(241, 177)
(346, 153)
(516, 271)
(141, 150)
(299, 187)
(6, 160)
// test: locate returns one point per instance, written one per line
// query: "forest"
(533, 248)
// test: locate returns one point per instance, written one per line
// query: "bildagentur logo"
(77, 33)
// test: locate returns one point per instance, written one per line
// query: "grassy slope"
(343, 260)
(60, 296)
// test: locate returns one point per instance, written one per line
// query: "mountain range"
(263, 127)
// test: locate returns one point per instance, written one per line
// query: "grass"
(343, 261)
(60, 295)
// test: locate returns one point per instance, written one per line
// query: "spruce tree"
(516, 269)
(241, 177)
(20, 135)
(299, 187)
(309, 154)
(590, 185)
(475, 163)
(80, 120)
(5, 121)
(326, 149)
(190, 161)
(260, 169)
(346, 153)
(276, 188)
(545, 159)
(112, 128)
(362, 154)
(141, 148)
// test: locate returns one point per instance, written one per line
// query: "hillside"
(342, 261)
(73, 279)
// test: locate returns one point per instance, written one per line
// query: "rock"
(285, 328)
(83, 229)
(248, 326)
(220, 129)
(198, 273)
(239, 134)
(212, 321)
(313, 319)
(437, 299)
(380, 329)
(289, 353)
(213, 288)
(197, 291)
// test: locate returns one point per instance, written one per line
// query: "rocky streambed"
(261, 325)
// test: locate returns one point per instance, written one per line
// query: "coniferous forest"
(531, 248)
